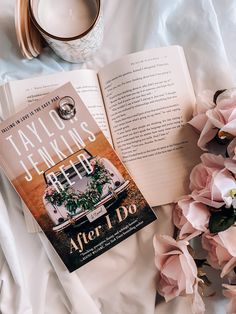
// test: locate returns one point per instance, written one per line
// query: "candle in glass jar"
(66, 18)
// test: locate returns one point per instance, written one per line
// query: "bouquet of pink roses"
(208, 213)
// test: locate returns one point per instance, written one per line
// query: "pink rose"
(228, 238)
(204, 102)
(217, 255)
(93, 162)
(50, 190)
(231, 149)
(190, 217)
(211, 182)
(221, 250)
(200, 120)
(177, 270)
(223, 116)
(230, 293)
(230, 164)
(210, 118)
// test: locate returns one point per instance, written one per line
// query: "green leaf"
(99, 188)
(221, 220)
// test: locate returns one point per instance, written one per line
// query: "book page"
(149, 99)
(17, 94)
(25, 92)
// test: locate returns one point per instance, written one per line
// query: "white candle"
(66, 18)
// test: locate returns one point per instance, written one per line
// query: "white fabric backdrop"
(121, 281)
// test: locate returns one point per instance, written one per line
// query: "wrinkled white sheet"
(121, 281)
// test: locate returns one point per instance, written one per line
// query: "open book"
(142, 103)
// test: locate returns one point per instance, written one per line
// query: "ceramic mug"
(72, 28)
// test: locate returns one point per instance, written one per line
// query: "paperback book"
(71, 179)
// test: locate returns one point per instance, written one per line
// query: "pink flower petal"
(228, 267)
(228, 238)
(208, 133)
(230, 127)
(198, 306)
(199, 121)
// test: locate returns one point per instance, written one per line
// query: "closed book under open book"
(71, 179)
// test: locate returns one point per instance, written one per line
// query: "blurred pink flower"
(210, 118)
(190, 217)
(221, 249)
(93, 162)
(50, 190)
(177, 270)
(211, 182)
(230, 293)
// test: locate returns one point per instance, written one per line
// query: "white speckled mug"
(72, 28)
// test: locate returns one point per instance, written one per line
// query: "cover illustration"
(71, 179)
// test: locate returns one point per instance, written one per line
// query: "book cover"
(71, 179)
